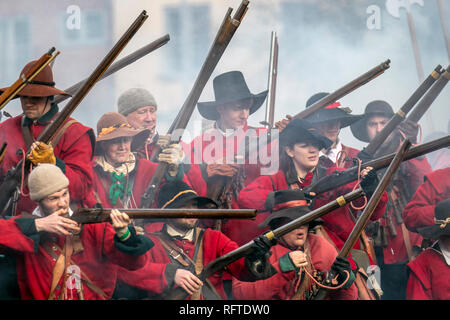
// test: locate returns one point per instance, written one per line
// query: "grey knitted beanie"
(45, 180)
(133, 99)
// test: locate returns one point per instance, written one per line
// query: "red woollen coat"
(429, 278)
(420, 210)
(75, 149)
(281, 285)
(99, 260)
(152, 279)
(337, 223)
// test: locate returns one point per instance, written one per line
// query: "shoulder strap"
(62, 131)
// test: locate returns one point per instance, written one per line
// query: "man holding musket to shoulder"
(58, 259)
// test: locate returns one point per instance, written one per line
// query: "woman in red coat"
(429, 278)
(299, 149)
(294, 253)
(120, 179)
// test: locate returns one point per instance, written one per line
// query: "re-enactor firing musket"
(339, 178)
(118, 65)
(366, 214)
(247, 249)
(27, 77)
(97, 215)
(399, 116)
(14, 176)
(226, 31)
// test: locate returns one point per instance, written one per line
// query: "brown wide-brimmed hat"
(230, 87)
(42, 84)
(441, 225)
(287, 204)
(113, 125)
(374, 108)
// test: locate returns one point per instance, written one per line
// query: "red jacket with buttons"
(74, 149)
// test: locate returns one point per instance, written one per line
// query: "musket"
(399, 116)
(118, 65)
(223, 37)
(339, 178)
(28, 76)
(221, 262)
(367, 213)
(271, 82)
(343, 91)
(3, 151)
(97, 215)
(424, 104)
(417, 113)
(14, 176)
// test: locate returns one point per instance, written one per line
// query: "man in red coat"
(58, 259)
(71, 149)
(182, 249)
(300, 258)
(429, 277)
(420, 210)
(139, 107)
(394, 244)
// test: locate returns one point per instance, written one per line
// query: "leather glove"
(283, 123)
(173, 155)
(227, 170)
(369, 183)
(410, 129)
(340, 265)
(257, 262)
(364, 156)
(163, 141)
(41, 153)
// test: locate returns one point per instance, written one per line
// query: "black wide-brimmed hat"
(331, 112)
(177, 193)
(290, 204)
(374, 108)
(300, 130)
(230, 87)
(441, 225)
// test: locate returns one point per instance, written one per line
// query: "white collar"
(332, 153)
(226, 133)
(445, 253)
(175, 233)
(37, 212)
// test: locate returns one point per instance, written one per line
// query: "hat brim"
(289, 137)
(139, 136)
(359, 128)
(208, 110)
(290, 213)
(202, 202)
(325, 115)
(36, 90)
(433, 232)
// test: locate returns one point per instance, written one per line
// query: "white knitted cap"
(45, 180)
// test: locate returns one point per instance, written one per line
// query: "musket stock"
(246, 249)
(367, 213)
(339, 178)
(223, 37)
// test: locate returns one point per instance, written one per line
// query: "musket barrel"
(343, 91)
(399, 116)
(120, 64)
